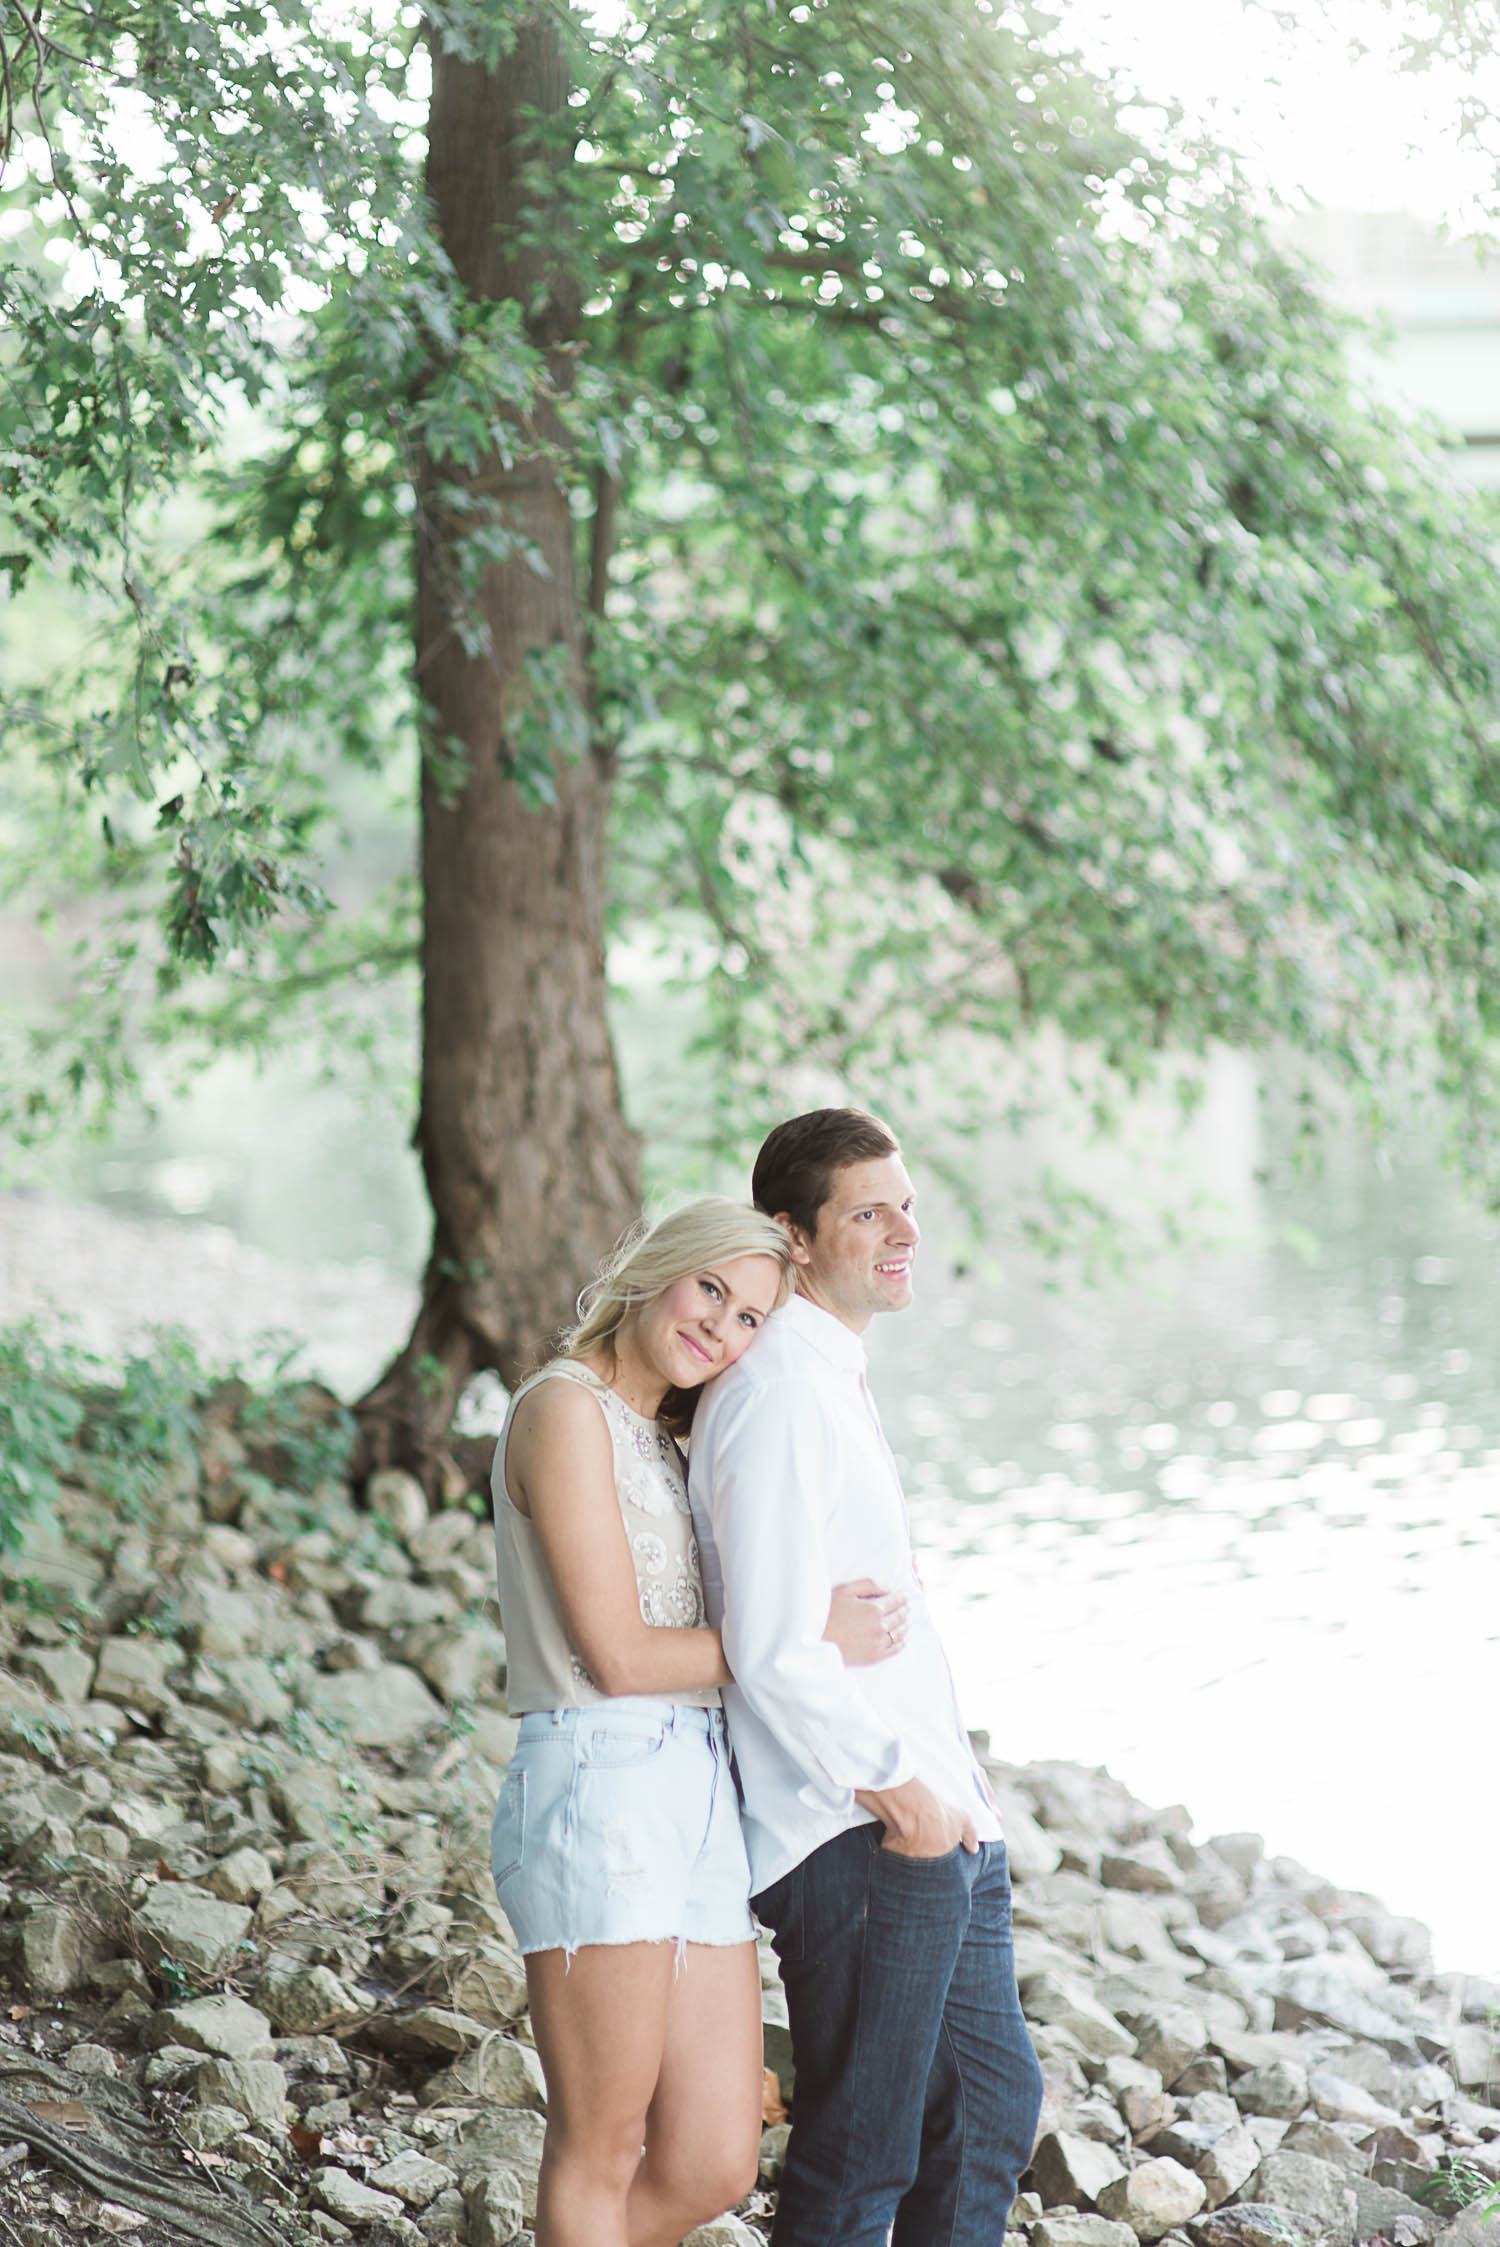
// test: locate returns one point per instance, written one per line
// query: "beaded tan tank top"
(543, 1668)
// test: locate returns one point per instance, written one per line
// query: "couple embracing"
(761, 1603)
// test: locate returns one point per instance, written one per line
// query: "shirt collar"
(829, 1336)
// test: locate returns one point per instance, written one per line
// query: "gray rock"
(492, 1985)
(1337, 2100)
(505, 2137)
(724, 2231)
(502, 2071)
(1080, 2231)
(1148, 1869)
(184, 1923)
(91, 2060)
(1405, 2222)
(414, 2179)
(352, 2202)
(204, 2128)
(1401, 1946)
(223, 2025)
(428, 2029)
(1330, 1992)
(1474, 2228)
(773, 2145)
(217, 1621)
(1067, 2169)
(59, 1947)
(395, 1496)
(243, 1876)
(1167, 2038)
(496, 2207)
(1277, 2088)
(256, 2087)
(399, 1606)
(1476, 2058)
(1153, 2199)
(1314, 2190)
(1324, 2142)
(243, 1688)
(384, 1708)
(1067, 2001)
(444, 2223)
(66, 1671)
(1251, 2223)
(1031, 1850)
(1230, 2162)
(302, 2000)
(1242, 1852)
(466, 1661)
(133, 1673)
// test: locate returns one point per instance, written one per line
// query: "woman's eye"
(748, 1318)
(709, 1289)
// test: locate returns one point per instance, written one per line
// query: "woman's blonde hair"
(651, 1258)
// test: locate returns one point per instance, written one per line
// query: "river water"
(1235, 1534)
(1228, 1526)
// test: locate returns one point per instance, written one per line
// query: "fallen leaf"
(18, 2013)
(307, 2144)
(772, 2106)
(164, 1870)
(111, 2217)
(72, 2113)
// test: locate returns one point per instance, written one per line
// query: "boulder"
(302, 2000)
(1314, 2190)
(1031, 1851)
(59, 1947)
(242, 1877)
(1083, 2230)
(500, 2070)
(1337, 2100)
(1066, 2000)
(1251, 2223)
(1325, 2142)
(133, 1673)
(186, 1925)
(1067, 2169)
(1148, 1868)
(495, 2206)
(414, 2179)
(503, 2137)
(344, 2196)
(66, 1671)
(1278, 2088)
(393, 1495)
(1153, 2199)
(223, 2025)
(1230, 2162)
(1393, 2215)
(1331, 1992)
(257, 2088)
(724, 2231)
(385, 1708)
(491, 1986)
(1167, 2038)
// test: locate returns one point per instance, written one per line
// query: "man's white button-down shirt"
(794, 1490)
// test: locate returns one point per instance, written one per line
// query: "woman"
(617, 1845)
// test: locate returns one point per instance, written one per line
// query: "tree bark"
(531, 1168)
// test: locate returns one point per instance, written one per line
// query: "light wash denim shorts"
(619, 1823)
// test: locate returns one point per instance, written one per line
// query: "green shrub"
(40, 1414)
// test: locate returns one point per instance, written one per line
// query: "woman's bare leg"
(703, 2128)
(600, 2023)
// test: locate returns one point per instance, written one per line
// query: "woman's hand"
(866, 1624)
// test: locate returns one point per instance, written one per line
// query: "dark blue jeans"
(917, 2088)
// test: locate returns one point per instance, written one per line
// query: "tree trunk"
(531, 1169)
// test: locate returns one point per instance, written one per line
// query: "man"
(875, 1848)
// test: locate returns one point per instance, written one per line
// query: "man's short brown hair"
(794, 1170)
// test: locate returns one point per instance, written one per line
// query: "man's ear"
(801, 1253)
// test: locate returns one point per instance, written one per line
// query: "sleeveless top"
(543, 1668)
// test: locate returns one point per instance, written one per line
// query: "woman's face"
(704, 1321)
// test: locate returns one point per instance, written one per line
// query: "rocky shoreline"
(259, 1990)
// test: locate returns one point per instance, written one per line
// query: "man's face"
(859, 1260)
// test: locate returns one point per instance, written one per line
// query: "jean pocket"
(508, 1834)
(609, 1748)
